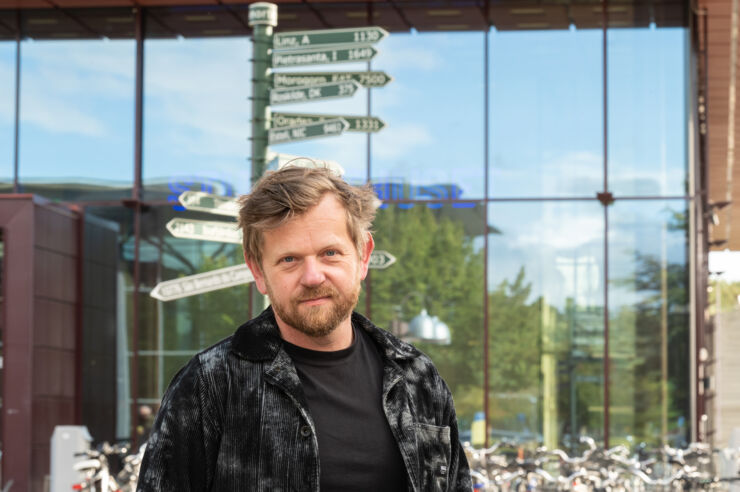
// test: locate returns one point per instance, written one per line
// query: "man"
(308, 395)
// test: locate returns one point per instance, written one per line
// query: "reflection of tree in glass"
(216, 315)
(636, 376)
(438, 261)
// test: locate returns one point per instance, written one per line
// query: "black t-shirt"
(344, 390)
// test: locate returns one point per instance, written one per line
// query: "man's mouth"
(315, 301)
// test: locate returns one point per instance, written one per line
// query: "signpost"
(205, 202)
(310, 39)
(205, 230)
(330, 90)
(271, 51)
(323, 56)
(326, 128)
(380, 260)
(298, 79)
(202, 283)
(365, 124)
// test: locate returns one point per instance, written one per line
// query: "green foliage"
(723, 296)
(439, 270)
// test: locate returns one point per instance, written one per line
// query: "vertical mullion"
(16, 184)
(604, 12)
(136, 196)
(485, 228)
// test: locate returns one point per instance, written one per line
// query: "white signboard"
(202, 283)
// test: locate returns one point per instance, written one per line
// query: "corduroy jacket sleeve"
(183, 445)
(459, 472)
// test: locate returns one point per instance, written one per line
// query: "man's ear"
(259, 277)
(367, 251)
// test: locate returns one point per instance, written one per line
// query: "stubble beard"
(316, 321)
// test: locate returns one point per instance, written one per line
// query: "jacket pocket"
(434, 448)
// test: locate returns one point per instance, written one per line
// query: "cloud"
(400, 140)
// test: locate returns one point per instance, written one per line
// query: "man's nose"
(312, 273)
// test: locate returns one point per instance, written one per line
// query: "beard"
(315, 321)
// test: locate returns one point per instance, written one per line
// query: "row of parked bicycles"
(508, 467)
(109, 468)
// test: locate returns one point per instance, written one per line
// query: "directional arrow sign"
(204, 202)
(380, 260)
(326, 128)
(365, 124)
(331, 90)
(310, 39)
(365, 79)
(322, 57)
(202, 283)
(205, 230)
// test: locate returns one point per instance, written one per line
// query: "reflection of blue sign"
(178, 184)
(401, 191)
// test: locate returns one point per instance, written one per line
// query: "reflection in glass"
(546, 324)
(649, 322)
(546, 113)
(77, 119)
(647, 111)
(434, 112)
(196, 116)
(170, 333)
(7, 113)
(440, 269)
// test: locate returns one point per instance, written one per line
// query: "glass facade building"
(536, 189)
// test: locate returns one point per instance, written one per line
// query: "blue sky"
(545, 134)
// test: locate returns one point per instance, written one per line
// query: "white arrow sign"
(380, 260)
(205, 202)
(205, 230)
(202, 283)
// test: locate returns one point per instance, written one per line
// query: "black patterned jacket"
(235, 419)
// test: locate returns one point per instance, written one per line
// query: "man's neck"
(339, 339)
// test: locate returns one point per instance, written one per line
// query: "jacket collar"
(259, 339)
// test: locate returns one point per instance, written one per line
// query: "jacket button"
(306, 431)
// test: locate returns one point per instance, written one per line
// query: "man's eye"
(288, 259)
(331, 252)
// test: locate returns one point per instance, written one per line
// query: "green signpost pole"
(262, 19)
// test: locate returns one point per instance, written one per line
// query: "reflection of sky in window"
(560, 247)
(642, 229)
(434, 110)
(558, 244)
(7, 109)
(647, 111)
(546, 113)
(76, 111)
(197, 111)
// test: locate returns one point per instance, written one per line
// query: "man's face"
(311, 269)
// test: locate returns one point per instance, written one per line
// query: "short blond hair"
(291, 191)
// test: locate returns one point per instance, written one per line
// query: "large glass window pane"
(7, 112)
(546, 113)
(649, 322)
(196, 116)
(647, 111)
(546, 327)
(439, 269)
(77, 119)
(434, 111)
